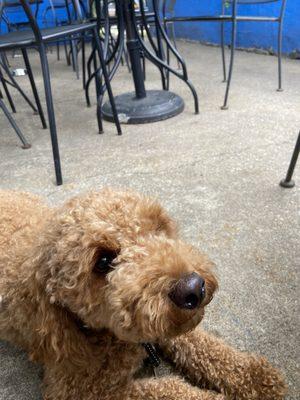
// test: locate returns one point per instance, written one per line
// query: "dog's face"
(116, 263)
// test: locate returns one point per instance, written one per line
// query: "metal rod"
(51, 114)
(134, 49)
(287, 182)
(25, 144)
(232, 51)
(107, 82)
(33, 87)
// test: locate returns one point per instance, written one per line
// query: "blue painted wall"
(262, 35)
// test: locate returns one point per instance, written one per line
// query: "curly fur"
(87, 328)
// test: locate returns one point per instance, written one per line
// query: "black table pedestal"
(141, 106)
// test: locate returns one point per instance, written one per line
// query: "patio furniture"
(287, 182)
(6, 75)
(229, 14)
(25, 144)
(142, 106)
(69, 11)
(38, 38)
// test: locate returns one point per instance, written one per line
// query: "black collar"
(153, 358)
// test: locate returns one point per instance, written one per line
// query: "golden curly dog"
(84, 285)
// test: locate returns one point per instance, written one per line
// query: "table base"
(156, 106)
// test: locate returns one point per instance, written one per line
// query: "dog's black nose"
(188, 292)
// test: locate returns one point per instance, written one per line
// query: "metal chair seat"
(26, 38)
(16, 39)
(222, 17)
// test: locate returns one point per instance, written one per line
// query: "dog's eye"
(104, 262)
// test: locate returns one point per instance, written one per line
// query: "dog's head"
(114, 261)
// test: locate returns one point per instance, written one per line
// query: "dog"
(91, 288)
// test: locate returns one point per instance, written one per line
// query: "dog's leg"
(167, 388)
(61, 386)
(203, 357)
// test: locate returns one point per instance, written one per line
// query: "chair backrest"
(79, 6)
(14, 15)
(11, 5)
(31, 20)
(26, 11)
(253, 1)
(282, 4)
(167, 6)
(62, 11)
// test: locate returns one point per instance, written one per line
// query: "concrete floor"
(217, 173)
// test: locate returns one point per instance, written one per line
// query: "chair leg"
(107, 82)
(161, 55)
(98, 84)
(127, 61)
(223, 44)
(99, 90)
(279, 89)
(33, 87)
(51, 115)
(9, 98)
(25, 144)
(170, 30)
(143, 55)
(99, 106)
(57, 51)
(83, 62)
(287, 182)
(74, 55)
(232, 51)
(223, 51)
(170, 34)
(6, 59)
(67, 53)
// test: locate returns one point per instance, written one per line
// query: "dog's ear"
(57, 337)
(155, 219)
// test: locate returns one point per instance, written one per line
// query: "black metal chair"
(38, 38)
(7, 80)
(229, 14)
(6, 74)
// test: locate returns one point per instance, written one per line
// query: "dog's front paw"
(267, 383)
